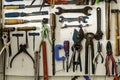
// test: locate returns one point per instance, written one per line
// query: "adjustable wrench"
(84, 10)
(99, 32)
(79, 19)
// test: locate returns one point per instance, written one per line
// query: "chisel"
(21, 21)
(22, 6)
(22, 14)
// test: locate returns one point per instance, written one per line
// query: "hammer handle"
(45, 70)
(117, 34)
(26, 28)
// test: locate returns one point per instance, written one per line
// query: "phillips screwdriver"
(21, 21)
(22, 14)
(22, 6)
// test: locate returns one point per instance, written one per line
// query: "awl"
(22, 14)
(22, 6)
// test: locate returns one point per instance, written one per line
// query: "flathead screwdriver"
(22, 6)
(22, 14)
(22, 21)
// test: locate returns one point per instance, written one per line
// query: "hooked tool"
(99, 53)
(84, 10)
(108, 57)
(34, 34)
(117, 43)
(26, 29)
(22, 21)
(89, 42)
(22, 6)
(22, 14)
(22, 49)
(17, 35)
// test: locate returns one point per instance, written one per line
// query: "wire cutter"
(108, 57)
(99, 53)
(44, 34)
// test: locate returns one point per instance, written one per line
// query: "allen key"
(34, 34)
(18, 35)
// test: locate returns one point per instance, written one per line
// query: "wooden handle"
(52, 20)
(45, 66)
(13, 21)
(26, 28)
(117, 34)
(7, 29)
(11, 7)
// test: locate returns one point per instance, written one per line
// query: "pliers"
(44, 34)
(108, 57)
(99, 53)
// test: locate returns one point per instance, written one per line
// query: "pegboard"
(23, 65)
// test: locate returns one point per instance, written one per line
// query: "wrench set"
(17, 27)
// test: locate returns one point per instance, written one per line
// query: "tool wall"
(61, 40)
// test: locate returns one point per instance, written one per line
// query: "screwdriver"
(12, 0)
(21, 21)
(22, 14)
(22, 6)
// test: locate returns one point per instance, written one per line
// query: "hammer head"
(111, 0)
(115, 10)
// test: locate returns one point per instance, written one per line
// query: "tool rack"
(23, 67)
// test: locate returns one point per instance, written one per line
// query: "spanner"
(79, 19)
(84, 10)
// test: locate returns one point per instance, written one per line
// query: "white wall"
(23, 67)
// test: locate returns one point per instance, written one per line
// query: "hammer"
(117, 37)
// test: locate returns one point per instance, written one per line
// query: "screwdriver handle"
(22, 6)
(15, 14)
(14, 21)
(26, 28)
(12, 0)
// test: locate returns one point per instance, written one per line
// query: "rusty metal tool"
(99, 32)
(21, 21)
(107, 13)
(26, 29)
(18, 35)
(89, 42)
(8, 30)
(34, 34)
(21, 50)
(53, 26)
(45, 63)
(66, 26)
(22, 6)
(37, 65)
(79, 19)
(84, 10)
(117, 43)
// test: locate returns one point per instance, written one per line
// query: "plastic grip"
(12, 0)
(34, 34)
(14, 6)
(57, 57)
(18, 34)
(13, 14)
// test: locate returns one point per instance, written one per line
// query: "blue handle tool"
(12, 0)
(57, 57)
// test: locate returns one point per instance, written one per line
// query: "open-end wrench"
(79, 19)
(84, 10)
